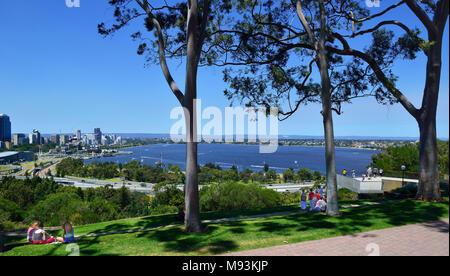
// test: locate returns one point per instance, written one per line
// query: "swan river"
(248, 156)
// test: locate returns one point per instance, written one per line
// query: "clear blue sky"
(58, 74)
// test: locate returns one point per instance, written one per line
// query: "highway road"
(148, 187)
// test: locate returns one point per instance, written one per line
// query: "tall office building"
(35, 137)
(18, 139)
(98, 136)
(5, 128)
(54, 138)
(78, 135)
(63, 139)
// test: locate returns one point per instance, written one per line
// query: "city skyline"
(80, 80)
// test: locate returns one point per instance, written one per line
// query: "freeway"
(148, 187)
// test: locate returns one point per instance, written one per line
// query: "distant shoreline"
(243, 144)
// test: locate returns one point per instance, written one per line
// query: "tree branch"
(162, 56)
(423, 17)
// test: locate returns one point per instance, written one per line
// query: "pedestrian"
(381, 172)
(303, 200)
(321, 191)
(369, 172)
(353, 174)
(375, 172)
(344, 172)
(312, 199)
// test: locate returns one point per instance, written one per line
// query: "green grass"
(240, 235)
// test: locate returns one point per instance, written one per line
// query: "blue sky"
(57, 74)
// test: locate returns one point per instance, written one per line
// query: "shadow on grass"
(229, 236)
(237, 235)
(155, 221)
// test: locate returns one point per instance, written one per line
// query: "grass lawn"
(238, 235)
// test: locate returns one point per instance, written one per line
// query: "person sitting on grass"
(40, 236)
(31, 230)
(68, 233)
(321, 206)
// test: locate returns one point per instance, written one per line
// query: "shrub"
(162, 209)
(55, 209)
(409, 189)
(346, 194)
(236, 196)
(291, 198)
(104, 209)
(169, 195)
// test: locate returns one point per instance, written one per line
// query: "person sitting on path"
(68, 233)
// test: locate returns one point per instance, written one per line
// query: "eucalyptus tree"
(180, 30)
(279, 44)
(385, 49)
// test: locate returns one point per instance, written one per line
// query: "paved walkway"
(423, 239)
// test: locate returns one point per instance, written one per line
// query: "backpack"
(38, 235)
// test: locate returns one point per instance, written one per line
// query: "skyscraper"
(98, 135)
(18, 139)
(78, 135)
(5, 128)
(54, 138)
(35, 137)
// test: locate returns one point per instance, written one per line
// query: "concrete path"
(423, 239)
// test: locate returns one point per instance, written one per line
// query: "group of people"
(37, 235)
(317, 200)
(370, 172)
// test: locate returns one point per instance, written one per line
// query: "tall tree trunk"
(192, 216)
(327, 113)
(428, 157)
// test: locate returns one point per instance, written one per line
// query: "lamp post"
(403, 174)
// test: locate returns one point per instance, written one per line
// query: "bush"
(10, 211)
(237, 196)
(409, 189)
(55, 209)
(104, 209)
(169, 195)
(346, 194)
(291, 198)
(162, 209)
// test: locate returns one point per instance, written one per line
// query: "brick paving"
(423, 239)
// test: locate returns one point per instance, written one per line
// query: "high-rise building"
(35, 137)
(78, 135)
(54, 138)
(98, 135)
(5, 128)
(18, 139)
(63, 139)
